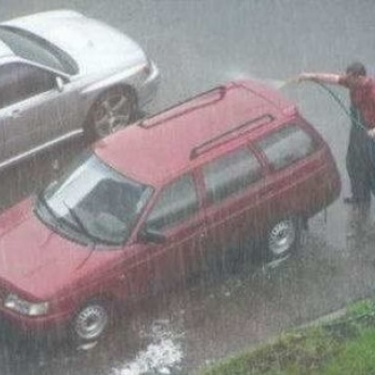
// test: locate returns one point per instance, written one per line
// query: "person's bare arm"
(320, 77)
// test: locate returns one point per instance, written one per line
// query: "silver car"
(63, 74)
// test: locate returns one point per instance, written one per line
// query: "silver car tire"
(91, 321)
(114, 109)
(283, 238)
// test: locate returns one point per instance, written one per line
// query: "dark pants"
(371, 171)
(360, 160)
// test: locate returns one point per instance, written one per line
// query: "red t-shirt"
(362, 96)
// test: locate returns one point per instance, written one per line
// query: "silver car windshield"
(96, 201)
(33, 48)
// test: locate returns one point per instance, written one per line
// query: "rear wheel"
(282, 239)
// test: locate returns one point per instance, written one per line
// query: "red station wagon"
(161, 200)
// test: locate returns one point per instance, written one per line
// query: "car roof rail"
(229, 135)
(221, 90)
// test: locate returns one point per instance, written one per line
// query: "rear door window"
(230, 174)
(286, 146)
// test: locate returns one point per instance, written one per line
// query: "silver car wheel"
(282, 238)
(113, 110)
(91, 322)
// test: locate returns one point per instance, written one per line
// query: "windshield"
(31, 47)
(95, 201)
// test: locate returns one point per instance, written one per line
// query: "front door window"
(176, 204)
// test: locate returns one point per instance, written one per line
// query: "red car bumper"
(37, 324)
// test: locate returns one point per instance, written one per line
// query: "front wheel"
(91, 321)
(113, 110)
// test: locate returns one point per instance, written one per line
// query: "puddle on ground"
(162, 355)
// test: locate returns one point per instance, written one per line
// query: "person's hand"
(371, 133)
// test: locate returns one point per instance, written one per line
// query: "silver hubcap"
(282, 237)
(91, 322)
(112, 112)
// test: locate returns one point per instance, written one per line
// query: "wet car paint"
(211, 320)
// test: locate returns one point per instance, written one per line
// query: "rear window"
(286, 146)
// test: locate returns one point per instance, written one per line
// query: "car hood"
(34, 259)
(94, 46)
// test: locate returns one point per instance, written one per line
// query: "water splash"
(236, 74)
(160, 356)
(275, 83)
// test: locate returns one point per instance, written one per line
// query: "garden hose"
(341, 104)
(334, 96)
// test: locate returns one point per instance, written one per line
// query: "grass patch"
(345, 346)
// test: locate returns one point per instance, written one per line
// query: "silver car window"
(32, 47)
(20, 81)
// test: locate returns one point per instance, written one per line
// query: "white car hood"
(94, 46)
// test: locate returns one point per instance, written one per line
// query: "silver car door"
(38, 112)
(2, 140)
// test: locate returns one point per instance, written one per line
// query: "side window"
(287, 146)
(21, 81)
(177, 203)
(230, 174)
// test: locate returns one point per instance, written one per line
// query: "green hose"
(341, 104)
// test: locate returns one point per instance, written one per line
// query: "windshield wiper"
(79, 223)
(43, 201)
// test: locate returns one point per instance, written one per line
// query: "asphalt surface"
(198, 44)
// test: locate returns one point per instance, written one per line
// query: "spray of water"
(234, 75)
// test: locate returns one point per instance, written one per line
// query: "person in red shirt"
(360, 157)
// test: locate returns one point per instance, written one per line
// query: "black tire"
(91, 321)
(114, 109)
(282, 239)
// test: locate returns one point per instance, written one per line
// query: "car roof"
(167, 144)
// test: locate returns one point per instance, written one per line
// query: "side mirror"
(60, 84)
(148, 235)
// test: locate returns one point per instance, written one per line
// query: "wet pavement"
(198, 44)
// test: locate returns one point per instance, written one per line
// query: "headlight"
(13, 302)
(147, 68)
